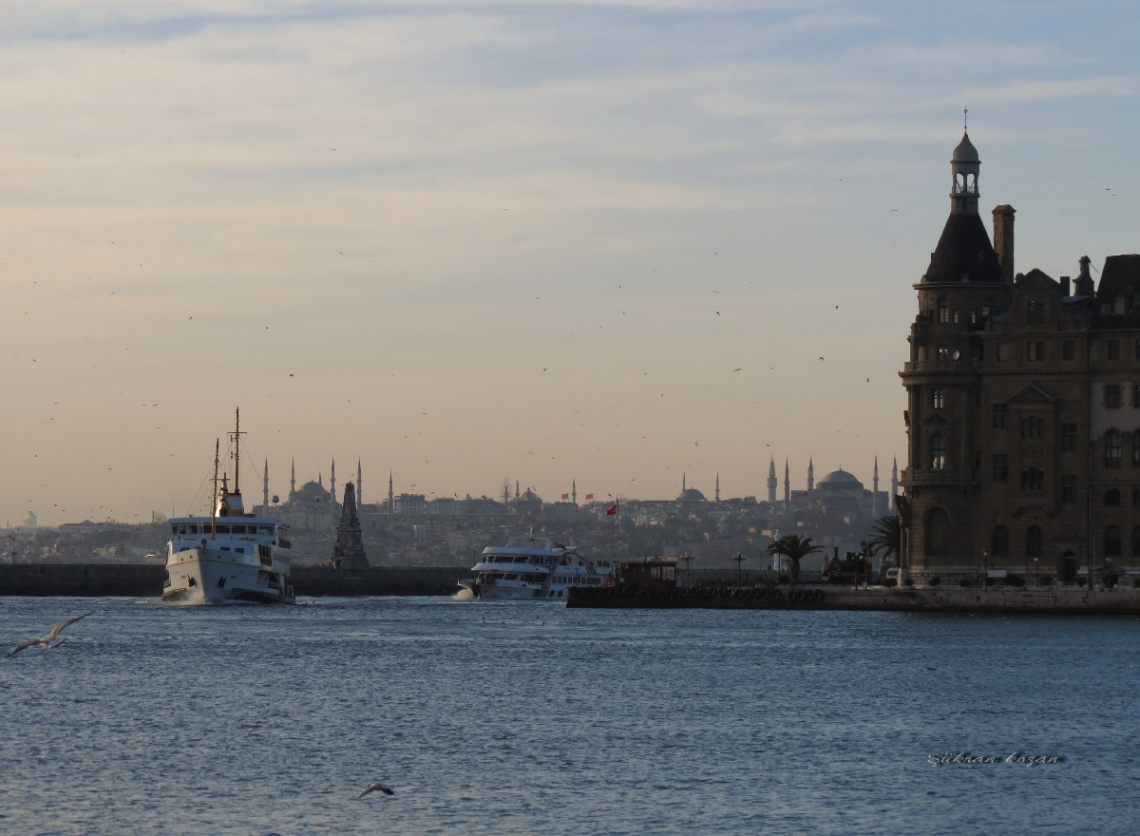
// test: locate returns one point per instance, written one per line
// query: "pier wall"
(833, 597)
(145, 580)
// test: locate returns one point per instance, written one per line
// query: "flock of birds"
(52, 640)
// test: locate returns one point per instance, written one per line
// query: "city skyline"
(477, 242)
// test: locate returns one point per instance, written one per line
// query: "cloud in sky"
(476, 240)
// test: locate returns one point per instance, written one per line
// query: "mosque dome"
(691, 495)
(312, 492)
(839, 480)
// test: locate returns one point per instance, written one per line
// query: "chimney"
(1065, 286)
(1003, 240)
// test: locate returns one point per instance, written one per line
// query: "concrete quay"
(145, 580)
(1047, 600)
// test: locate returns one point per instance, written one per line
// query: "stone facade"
(1023, 416)
(348, 553)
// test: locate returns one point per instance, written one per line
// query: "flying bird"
(374, 787)
(50, 640)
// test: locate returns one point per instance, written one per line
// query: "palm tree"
(886, 537)
(793, 547)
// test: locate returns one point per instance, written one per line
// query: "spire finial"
(965, 114)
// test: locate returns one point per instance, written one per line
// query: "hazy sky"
(483, 241)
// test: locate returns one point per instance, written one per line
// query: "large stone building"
(1023, 414)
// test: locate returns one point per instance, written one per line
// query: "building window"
(1034, 542)
(1001, 467)
(1032, 479)
(1069, 489)
(1069, 350)
(1136, 396)
(1136, 449)
(938, 398)
(938, 533)
(1112, 396)
(1112, 449)
(1002, 352)
(1068, 436)
(1114, 349)
(1136, 541)
(1035, 351)
(1138, 349)
(943, 352)
(1112, 541)
(999, 542)
(1000, 411)
(938, 451)
(1035, 312)
(1032, 426)
(943, 311)
(1112, 498)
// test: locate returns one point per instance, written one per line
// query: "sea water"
(528, 718)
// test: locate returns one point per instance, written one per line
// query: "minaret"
(265, 486)
(391, 499)
(574, 491)
(683, 474)
(718, 487)
(875, 491)
(811, 474)
(787, 483)
(332, 481)
(516, 489)
(772, 481)
(292, 478)
(359, 490)
(894, 484)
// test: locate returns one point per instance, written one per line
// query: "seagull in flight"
(49, 641)
(374, 787)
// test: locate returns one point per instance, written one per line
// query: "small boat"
(231, 556)
(531, 568)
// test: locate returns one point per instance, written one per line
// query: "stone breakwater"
(139, 580)
(1072, 600)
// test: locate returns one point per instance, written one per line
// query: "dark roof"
(964, 250)
(840, 479)
(965, 152)
(1120, 273)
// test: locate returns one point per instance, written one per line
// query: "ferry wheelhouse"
(229, 557)
(532, 568)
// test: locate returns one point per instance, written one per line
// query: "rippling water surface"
(529, 718)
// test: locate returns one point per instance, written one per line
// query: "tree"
(886, 538)
(794, 547)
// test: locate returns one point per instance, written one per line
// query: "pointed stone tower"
(772, 481)
(348, 552)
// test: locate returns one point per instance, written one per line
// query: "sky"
(478, 243)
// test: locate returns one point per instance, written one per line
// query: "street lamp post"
(739, 558)
(985, 569)
(688, 558)
(1036, 578)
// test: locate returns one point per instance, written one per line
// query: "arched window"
(999, 543)
(938, 451)
(1112, 541)
(943, 310)
(1112, 498)
(1112, 449)
(1034, 542)
(937, 533)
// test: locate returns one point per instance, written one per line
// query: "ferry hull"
(509, 592)
(206, 576)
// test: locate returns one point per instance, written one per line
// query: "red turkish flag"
(612, 511)
(565, 496)
(589, 496)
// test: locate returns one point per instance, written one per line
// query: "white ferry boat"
(231, 556)
(532, 568)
